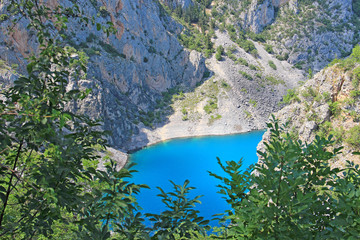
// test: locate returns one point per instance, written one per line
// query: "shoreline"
(191, 136)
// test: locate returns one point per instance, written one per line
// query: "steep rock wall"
(327, 104)
(128, 71)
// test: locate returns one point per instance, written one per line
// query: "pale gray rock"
(127, 71)
(175, 3)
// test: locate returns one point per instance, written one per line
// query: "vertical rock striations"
(128, 71)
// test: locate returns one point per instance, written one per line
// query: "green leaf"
(44, 121)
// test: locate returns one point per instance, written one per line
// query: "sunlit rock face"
(128, 70)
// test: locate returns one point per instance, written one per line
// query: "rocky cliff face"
(263, 13)
(128, 71)
(176, 3)
(316, 33)
(147, 87)
(306, 33)
(327, 104)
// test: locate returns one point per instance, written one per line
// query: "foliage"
(242, 61)
(213, 118)
(48, 179)
(354, 136)
(335, 108)
(180, 218)
(292, 192)
(291, 96)
(269, 48)
(211, 106)
(356, 7)
(350, 62)
(271, 80)
(326, 130)
(310, 74)
(272, 65)
(246, 75)
(219, 52)
(356, 78)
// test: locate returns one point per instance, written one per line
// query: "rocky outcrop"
(316, 34)
(262, 13)
(327, 104)
(127, 71)
(240, 104)
(308, 34)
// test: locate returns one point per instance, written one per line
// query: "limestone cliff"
(328, 104)
(306, 33)
(128, 71)
(147, 87)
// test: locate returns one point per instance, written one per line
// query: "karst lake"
(191, 158)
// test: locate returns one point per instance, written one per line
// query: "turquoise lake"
(191, 158)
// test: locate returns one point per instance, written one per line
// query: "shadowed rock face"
(128, 70)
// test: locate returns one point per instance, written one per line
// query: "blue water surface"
(191, 158)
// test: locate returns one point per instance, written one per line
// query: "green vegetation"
(269, 48)
(211, 106)
(180, 217)
(356, 7)
(272, 65)
(51, 188)
(248, 114)
(353, 137)
(326, 130)
(242, 61)
(335, 108)
(49, 185)
(310, 73)
(348, 63)
(253, 102)
(224, 85)
(213, 118)
(219, 53)
(253, 67)
(282, 58)
(309, 93)
(291, 96)
(246, 75)
(271, 80)
(356, 78)
(295, 189)
(198, 28)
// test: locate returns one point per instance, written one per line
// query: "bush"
(218, 56)
(272, 65)
(335, 108)
(269, 48)
(211, 106)
(206, 74)
(246, 75)
(291, 96)
(353, 136)
(252, 67)
(219, 52)
(242, 61)
(356, 77)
